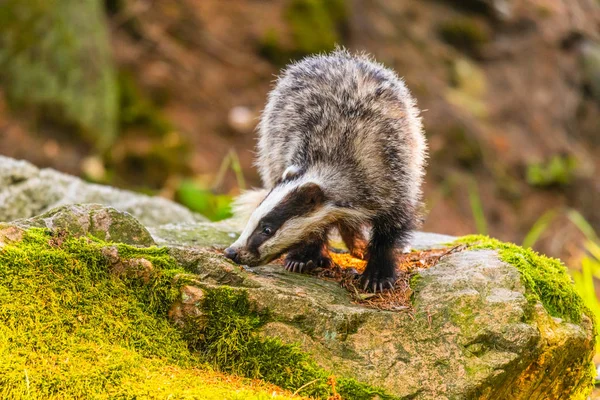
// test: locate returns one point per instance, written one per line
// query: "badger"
(341, 146)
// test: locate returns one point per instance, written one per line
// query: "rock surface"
(26, 191)
(104, 223)
(472, 333)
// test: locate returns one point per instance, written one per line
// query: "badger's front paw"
(374, 281)
(302, 262)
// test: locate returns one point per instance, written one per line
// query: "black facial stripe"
(300, 201)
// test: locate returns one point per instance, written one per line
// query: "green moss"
(70, 329)
(558, 171)
(546, 279)
(230, 341)
(137, 111)
(415, 285)
(55, 61)
(149, 149)
(315, 26)
(465, 33)
(74, 323)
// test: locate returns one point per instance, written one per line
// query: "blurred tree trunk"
(55, 60)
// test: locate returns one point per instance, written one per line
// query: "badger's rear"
(341, 133)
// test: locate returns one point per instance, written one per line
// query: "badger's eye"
(267, 230)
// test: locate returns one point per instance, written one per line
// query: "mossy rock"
(72, 326)
(108, 316)
(104, 223)
(490, 321)
(55, 61)
(479, 328)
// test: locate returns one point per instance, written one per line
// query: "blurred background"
(163, 96)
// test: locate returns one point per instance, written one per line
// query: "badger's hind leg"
(380, 272)
(310, 254)
(354, 240)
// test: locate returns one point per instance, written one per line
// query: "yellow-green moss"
(230, 341)
(545, 278)
(73, 326)
(70, 329)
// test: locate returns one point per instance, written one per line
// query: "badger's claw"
(375, 284)
(293, 264)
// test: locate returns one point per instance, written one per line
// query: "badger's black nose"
(231, 254)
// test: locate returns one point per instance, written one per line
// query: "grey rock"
(472, 333)
(203, 234)
(26, 191)
(426, 240)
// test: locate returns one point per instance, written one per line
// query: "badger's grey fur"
(340, 145)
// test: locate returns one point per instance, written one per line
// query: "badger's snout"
(232, 254)
(241, 255)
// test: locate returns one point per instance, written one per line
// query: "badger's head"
(290, 213)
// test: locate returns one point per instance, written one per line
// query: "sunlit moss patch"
(546, 278)
(70, 328)
(83, 318)
(230, 341)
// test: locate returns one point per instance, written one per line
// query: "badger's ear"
(291, 172)
(311, 193)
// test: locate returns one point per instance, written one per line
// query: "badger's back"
(345, 115)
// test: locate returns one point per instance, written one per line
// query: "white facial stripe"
(268, 204)
(272, 199)
(298, 227)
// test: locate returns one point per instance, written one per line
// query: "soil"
(346, 270)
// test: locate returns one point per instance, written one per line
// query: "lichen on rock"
(104, 223)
